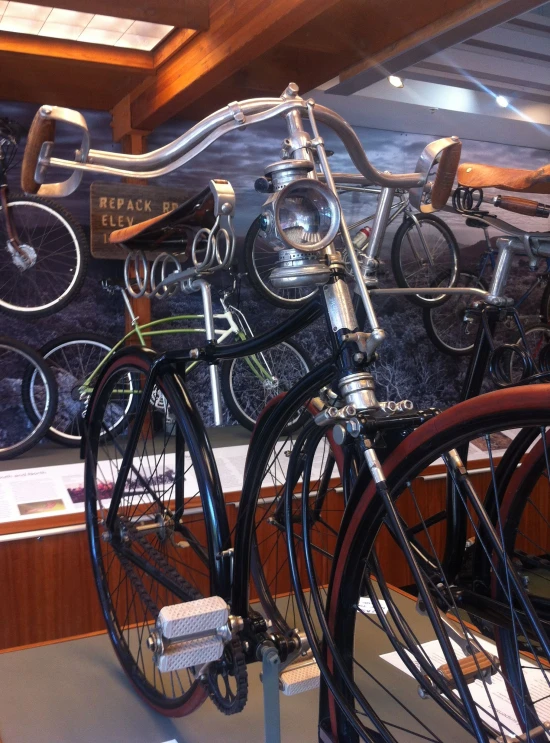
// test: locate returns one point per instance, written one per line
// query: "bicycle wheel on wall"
(260, 259)
(249, 383)
(422, 252)
(73, 358)
(48, 269)
(20, 431)
(155, 548)
(377, 551)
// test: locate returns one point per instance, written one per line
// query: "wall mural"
(409, 367)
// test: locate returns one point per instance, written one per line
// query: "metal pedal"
(190, 634)
(299, 677)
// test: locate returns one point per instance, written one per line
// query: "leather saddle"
(473, 175)
(170, 231)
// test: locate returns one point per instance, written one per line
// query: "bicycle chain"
(190, 593)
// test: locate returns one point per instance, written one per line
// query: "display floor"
(76, 692)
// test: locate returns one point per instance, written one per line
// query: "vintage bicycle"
(43, 251)
(453, 325)
(173, 576)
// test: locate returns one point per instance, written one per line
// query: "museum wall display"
(411, 367)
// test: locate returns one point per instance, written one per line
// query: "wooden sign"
(117, 205)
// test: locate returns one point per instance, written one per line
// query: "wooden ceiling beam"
(180, 13)
(455, 23)
(239, 32)
(175, 41)
(74, 51)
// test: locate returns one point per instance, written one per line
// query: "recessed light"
(502, 101)
(22, 17)
(396, 81)
(22, 10)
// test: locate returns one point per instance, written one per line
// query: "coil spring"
(467, 199)
(511, 363)
(155, 281)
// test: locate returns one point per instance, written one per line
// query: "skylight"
(70, 24)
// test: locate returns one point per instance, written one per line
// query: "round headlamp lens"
(307, 215)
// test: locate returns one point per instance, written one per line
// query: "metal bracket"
(270, 679)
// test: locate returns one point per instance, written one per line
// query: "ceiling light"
(396, 81)
(502, 101)
(26, 18)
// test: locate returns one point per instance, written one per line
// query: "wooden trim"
(77, 51)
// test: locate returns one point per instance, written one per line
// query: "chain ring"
(233, 664)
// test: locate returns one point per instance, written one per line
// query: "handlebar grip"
(445, 176)
(42, 130)
(528, 207)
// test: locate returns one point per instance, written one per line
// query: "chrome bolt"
(422, 693)
(106, 536)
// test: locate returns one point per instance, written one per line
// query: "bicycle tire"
(504, 409)
(18, 292)
(258, 268)
(239, 379)
(15, 436)
(446, 326)
(150, 561)
(404, 277)
(71, 365)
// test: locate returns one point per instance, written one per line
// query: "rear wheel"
(424, 250)
(154, 548)
(43, 275)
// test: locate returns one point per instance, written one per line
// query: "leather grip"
(528, 207)
(42, 130)
(445, 176)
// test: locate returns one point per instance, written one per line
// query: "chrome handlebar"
(174, 155)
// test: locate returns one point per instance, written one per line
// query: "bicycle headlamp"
(304, 215)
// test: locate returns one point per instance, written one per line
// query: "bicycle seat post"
(206, 294)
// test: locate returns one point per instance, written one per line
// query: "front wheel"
(44, 272)
(423, 250)
(249, 383)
